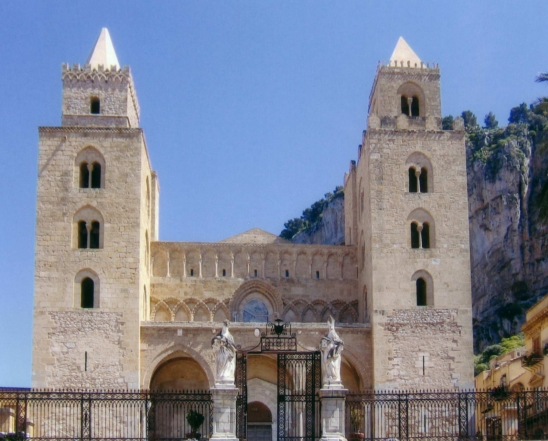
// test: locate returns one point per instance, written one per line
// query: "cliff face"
(506, 175)
(329, 230)
(507, 186)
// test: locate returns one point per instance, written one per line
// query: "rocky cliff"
(508, 208)
(329, 230)
(507, 171)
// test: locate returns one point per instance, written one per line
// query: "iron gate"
(299, 380)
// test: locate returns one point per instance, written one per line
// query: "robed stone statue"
(331, 347)
(225, 356)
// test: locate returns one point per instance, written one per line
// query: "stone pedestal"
(333, 406)
(224, 413)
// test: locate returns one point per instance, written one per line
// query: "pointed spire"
(103, 52)
(403, 52)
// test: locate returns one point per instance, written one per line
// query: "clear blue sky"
(252, 109)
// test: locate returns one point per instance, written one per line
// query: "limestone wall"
(118, 101)
(211, 282)
(59, 345)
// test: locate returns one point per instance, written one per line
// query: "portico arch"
(175, 352)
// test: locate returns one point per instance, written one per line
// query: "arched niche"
(302, 268)
(349, 267)
(159, 263)
(208, 264)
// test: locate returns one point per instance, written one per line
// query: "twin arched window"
(422, 229)
(420, 235)
(90, 165)
(90, 175)
(410, 105)
(420, 175)
(87, 228)
(418, 179)
(89, 235)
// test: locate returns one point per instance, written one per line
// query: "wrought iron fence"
(104, 415)
(494, 415)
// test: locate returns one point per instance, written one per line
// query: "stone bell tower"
(96, 214)
(406, 199)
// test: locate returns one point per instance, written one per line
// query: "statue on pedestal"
(225, 356)
(331, 348)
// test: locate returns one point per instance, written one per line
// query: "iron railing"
(103, 415)
(494, 415)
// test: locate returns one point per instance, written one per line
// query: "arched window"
(82, 234)
(415, 236)
(424, 288)
(404, 105)
(94, 234)
(87, 293)
(86, 289)
(412, 99)
(87, 228)
(420, 175)
(255, 311)
(422, 229)
(425, 235)
(84, 175)
(423, 180)
(415, 106)
(95, 105)
(96, 175)
(412, 180)
(91, 168)
(421, 292)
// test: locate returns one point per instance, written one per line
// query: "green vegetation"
(195, 420)
(311, 216)
(481, 361)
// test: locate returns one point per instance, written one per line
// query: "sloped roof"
(255, 236)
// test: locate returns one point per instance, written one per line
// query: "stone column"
(184, 265)
(333, 407)
(418, 177)
(224, 413)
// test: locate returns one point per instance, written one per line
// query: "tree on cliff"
(470, 120)
(542, 77)
(490, 121)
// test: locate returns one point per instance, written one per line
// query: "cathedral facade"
(116, 308)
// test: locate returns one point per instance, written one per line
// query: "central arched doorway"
(181, 373)
(259, 422)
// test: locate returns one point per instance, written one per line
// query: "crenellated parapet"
(112, 88)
